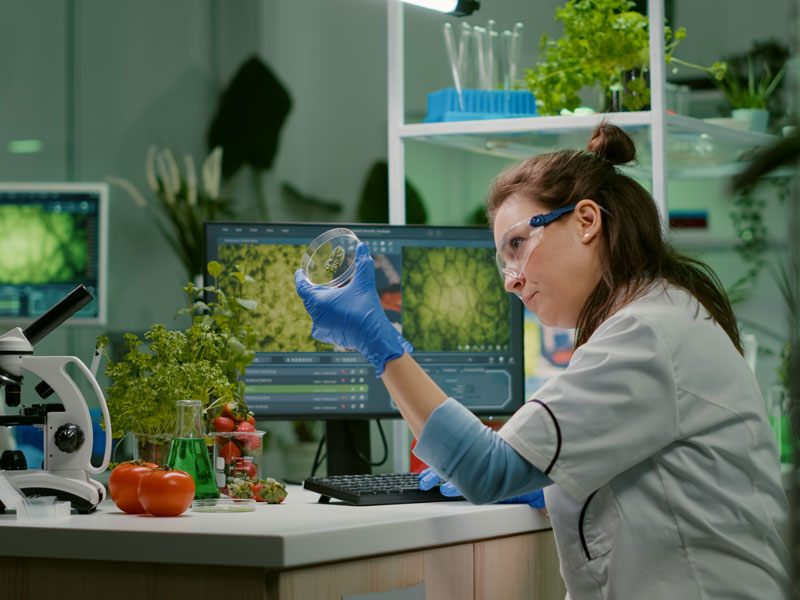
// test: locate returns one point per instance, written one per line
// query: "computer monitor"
(438, 285)
(53, 237)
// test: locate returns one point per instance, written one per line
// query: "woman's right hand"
(352, 316)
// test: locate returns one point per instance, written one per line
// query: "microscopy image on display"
(453, 300)
(38, 246)
(281, 320)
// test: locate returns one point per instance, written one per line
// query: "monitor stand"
(342, 437)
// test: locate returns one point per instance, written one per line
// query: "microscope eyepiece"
(57, 314)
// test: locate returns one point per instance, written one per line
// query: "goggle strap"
(546, 219)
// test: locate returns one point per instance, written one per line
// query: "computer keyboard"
(377, 488)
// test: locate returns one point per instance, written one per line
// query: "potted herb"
(202, 362)
(605, 43)
(749, 99)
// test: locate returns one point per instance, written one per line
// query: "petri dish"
(224, 505)
(329, 259)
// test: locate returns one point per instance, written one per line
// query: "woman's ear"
(589, 219)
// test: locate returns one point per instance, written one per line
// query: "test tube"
(514, 53)
(450, 46)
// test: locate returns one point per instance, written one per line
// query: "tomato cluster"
(138, 487)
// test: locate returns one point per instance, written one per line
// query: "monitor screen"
(438, 285)
(52, 238)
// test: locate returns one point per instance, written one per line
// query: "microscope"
(66, 424)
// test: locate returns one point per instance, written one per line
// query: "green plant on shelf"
(754, 93)
(603, 42)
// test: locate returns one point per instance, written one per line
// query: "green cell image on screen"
(281, 320)
(453, 300)
(37, 246)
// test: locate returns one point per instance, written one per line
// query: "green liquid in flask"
(191, 455)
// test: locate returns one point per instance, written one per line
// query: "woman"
(660, 471)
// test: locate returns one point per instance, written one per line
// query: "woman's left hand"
(428, 478)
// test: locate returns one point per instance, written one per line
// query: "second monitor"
(440, 288)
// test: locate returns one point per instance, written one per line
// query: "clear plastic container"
(329, 260)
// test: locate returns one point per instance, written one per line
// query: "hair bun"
(612, 144)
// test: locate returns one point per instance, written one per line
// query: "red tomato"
(224, 424)
(123, 484)
(229, 451)
(165, 492)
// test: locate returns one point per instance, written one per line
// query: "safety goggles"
(520, 239)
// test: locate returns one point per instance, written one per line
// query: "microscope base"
(83, 494)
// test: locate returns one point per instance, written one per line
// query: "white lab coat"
(667, 479)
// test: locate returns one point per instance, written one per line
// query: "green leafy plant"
(202, 362)
(752, 236)
(182, 206)
(752, 94)
(603, 41)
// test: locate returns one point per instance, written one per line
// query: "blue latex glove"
(429, 478)
(352, 316)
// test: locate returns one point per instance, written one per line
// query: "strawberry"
(229, 452)
(247, 438)
(224, 424)
(235, 410)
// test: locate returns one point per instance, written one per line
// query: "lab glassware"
(189, 451)
(238, 459)
(329, 259)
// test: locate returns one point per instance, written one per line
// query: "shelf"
(695, 148)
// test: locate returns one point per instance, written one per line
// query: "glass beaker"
(238, 457)
(189, 451)
(329, 259)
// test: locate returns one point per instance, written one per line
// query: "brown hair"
(634, 250)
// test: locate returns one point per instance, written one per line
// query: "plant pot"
(756, 118)
(152, 447)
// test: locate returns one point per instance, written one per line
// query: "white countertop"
(298, 532)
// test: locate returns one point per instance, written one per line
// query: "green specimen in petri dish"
(335, 260)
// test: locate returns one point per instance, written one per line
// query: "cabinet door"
(446, 572)
(523, 566)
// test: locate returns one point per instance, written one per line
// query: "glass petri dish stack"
(329, 260)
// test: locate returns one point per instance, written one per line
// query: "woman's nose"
(514, 283)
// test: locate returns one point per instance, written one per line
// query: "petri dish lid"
(329, 259)
(224, 505)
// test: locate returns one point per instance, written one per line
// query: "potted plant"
(202, 362)
(749, 100)
(605, 43)
(182, 205)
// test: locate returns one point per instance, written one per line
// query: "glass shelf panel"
(695, 148)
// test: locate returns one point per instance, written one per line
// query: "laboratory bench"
(300, 549)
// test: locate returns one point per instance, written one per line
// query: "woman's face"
(563, 268)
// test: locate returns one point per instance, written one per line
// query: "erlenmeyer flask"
(189, 451)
